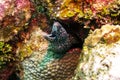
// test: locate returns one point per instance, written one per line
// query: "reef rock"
(14, 15)
(100, 58)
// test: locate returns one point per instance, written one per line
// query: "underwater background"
(59, 39)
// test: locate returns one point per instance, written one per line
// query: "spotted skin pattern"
(59, 62)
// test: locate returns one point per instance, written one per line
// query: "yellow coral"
(69, 9)
(112, 36)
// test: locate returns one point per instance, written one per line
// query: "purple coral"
(2, 9)
(10, 7)
(22, 4)
(97, 5)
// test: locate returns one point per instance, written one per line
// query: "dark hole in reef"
(14, 76)
(77, 30)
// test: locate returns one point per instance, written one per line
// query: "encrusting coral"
(93, 13)
(100, 57)
(14, 17)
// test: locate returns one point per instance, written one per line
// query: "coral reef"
(93, 13)
(24, 22)
(14, 7)
(14, 17)
(99, 59)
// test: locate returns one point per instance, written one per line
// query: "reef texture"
(14, 16)
(92, 13)
(57, 63)
(24, 22)
(100, 57)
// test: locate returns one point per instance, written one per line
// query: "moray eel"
(59, 62)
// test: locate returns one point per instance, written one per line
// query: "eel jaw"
(57, 34)
(49, 37)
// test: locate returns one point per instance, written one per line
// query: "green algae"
(5, 55)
